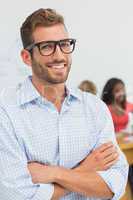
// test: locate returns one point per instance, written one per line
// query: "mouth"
(57, 66)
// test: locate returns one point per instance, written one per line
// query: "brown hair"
(42, 17)
(88, 86)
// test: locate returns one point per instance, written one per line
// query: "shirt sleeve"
(116, 176)
(15, 179)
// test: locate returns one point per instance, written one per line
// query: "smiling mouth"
(57, 66)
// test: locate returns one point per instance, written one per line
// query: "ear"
(26, 57)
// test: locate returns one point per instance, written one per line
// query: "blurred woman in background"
(114, 95)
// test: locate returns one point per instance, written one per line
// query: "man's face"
(52, 69)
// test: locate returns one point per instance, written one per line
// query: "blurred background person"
(114, 95)
(88, 86)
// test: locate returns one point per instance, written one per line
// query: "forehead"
(119, 86)
(55, 32)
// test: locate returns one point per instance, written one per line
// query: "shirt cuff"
(115, 182)
(44, 191)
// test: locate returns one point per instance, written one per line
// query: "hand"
(41, 173)
(100, 159)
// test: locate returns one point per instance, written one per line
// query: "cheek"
(116, 95)
(37, 58)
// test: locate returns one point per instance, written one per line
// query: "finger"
(109, 151)
(105, 146)
(110, 164)
(111, 158)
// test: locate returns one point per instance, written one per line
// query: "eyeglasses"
(47, 48)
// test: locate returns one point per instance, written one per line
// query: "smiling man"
(55, 142)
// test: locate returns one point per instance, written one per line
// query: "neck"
(52, 92)
(119, 104)
(118, 109)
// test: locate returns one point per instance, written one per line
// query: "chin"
(58, 81)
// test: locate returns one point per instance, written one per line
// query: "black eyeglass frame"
(31, 46)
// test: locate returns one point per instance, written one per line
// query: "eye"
(65, 44)
(46, 46)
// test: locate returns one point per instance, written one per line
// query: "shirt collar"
(74, 94)
(27, 93)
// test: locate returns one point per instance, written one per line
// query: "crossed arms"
(95, 176)
(83, 179)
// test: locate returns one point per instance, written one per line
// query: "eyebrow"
(53, 40)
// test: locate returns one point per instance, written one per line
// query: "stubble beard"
(42, 73)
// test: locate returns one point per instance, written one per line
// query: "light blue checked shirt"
(31, 129)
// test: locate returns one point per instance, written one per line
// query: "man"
(56, 143)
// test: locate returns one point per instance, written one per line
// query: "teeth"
(58, 66)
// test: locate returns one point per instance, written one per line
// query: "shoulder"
(129, 107)
(8, 97)
(93, 101)
(97, 110)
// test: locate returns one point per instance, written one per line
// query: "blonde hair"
(88, 86)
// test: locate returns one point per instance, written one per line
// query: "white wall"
(104, 33)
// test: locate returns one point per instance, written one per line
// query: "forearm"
(59, 192)
(101, 159)
(87, 183)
